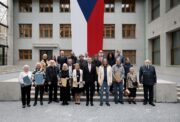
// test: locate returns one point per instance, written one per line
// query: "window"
(25, 30)
(25, 5)
(64, 5)
(46, 5)
(65, 30)
(128, 5)
(175, 49)
(173, 3)
(156, 51)
(25, 54)
(46, 30)
(109, 6)
(129, 30)
(131, 54)
(155, 9)
(109, 30)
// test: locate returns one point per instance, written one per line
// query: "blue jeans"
(106, 88)
(118, 91)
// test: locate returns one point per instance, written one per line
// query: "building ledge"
(38, 45)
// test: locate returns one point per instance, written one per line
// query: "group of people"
(84, 75)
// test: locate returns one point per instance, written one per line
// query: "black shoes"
(41, 103)
(57, 101)
(35, 103)
(134, 102)
(121, 102)
(24, 106)
(129, 102)
(49, 102)
(92, 104)
(29, 105)
(87, 104)
(107, 104)
(144, 103)
(101, 104)
(152, 104)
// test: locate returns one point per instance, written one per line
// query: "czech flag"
(87, 23)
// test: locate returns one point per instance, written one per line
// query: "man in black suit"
(89, 76)
(51, 74)
(61, 59)
(147, 76)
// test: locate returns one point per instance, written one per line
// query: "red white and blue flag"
(87, 21)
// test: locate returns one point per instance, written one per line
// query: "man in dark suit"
(61, 59)
(147, 76)
(89, 76)
(51, 74)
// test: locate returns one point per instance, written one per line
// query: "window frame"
(43, 6)
(25, 29)
(129, 29)
(43, 34)
(25, 52)
(65, 27)
(111, 30)
(24, 3)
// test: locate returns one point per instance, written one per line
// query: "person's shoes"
(87, 104)
(107, 104)
(121, 102)
(145, 103)
(101, 104)
(92, 104)
(29, 105)
(57, 101)
(129, 102)
(23, 106)
(152, 104)
(134, 102)
(63, 103)
(66, 103)
(116, 102)
(35, 103)
(41, 103)
(49, 102)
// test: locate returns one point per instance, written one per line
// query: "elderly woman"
(38, 81)
(132, 85)
(25, 81)
(64, 84)
(77, 83)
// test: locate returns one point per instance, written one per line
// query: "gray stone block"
(165, 91)
(10, 90)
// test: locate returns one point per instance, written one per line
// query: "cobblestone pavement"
(12, 112)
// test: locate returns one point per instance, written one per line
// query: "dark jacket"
(89, 77)
(52, 73)
(61, 61)
(126, 68)
(147, 76)
(82, 63)
(111, 61)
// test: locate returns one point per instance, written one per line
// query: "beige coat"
(101, 75)
(75, 77)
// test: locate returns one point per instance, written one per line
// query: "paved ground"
(8, 76)
(12, 112)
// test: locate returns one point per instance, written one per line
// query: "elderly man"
(89, 76)
(118, 76)
(105, 80)
(147, 76)
(51, 74)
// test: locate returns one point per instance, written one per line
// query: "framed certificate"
(63, 82)
(39, 79)
(27, 80)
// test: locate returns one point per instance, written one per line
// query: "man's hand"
(49, 82)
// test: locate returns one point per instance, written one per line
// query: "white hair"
(26, 66)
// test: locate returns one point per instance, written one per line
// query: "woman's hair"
(108, 56)
(65, 67)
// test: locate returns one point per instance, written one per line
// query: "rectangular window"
(175, 49)
(129, 30)
(155, 9)
(156, 51)
(128, 5)
(25, 5)
(65, 30)
(25, 54)
(109, 6)
(109, 31)
(25, 30)
(46, 5)
(64, 5)
(46, 30)
(131, 54)
(173, 3)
